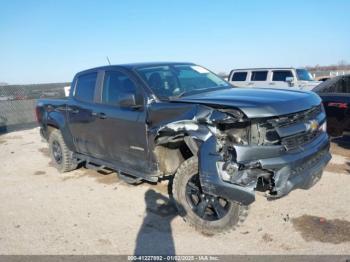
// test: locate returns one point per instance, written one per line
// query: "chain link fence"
(17, 104)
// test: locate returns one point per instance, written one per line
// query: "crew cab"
(284, 77)
(218, 144)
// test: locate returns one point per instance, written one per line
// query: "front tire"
(61, 156)
(206, 213)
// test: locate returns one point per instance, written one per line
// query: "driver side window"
(116, 85)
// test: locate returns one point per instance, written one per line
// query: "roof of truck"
(135, 65)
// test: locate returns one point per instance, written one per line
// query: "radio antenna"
(109, 62)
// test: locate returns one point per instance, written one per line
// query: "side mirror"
(290, 80)
(128, 100)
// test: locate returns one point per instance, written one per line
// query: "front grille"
(296, 141)
(300, 139)
(290, 119)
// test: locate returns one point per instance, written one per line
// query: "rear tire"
(220, 215)
(61, 156)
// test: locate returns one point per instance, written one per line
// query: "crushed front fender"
(211, 181)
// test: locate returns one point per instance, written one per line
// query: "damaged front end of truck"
(238, 155)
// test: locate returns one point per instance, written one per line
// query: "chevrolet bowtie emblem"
(313, 125)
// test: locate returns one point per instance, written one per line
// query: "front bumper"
(301, 168)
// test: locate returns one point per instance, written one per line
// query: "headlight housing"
(323, 127)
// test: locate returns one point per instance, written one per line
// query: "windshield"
(168, 81)
(304, 75)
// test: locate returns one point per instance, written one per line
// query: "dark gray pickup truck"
(218, 144)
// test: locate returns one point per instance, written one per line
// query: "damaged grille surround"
(291, 131)
(242, 163)
(233, 150)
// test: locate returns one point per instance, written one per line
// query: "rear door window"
(281, 75)
(239, 76)
(85, 87)
(258, 76)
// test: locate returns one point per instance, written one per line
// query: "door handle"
(73, 110)
(99, 115)
(272, 83)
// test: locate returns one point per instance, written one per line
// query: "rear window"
(239, 76)
(259, 76)
(281, 75)
(85, 88)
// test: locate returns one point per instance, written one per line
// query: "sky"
(44, 41)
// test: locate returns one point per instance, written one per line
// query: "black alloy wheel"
(207, 207)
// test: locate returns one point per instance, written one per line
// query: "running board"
(94, 167)
(98, 164)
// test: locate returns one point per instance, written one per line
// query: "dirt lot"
(84, 212)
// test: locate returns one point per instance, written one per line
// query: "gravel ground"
(85, 212)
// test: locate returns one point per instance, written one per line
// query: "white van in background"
(283, 78)
(66, 90)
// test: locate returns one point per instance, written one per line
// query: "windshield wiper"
(189, 92)
(179, 95)
(195, 91)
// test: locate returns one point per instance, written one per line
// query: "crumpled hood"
(256, 102)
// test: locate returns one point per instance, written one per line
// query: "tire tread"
(234, 222)
(68, 161)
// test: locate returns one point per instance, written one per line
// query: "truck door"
(81, 121)
(121, 124)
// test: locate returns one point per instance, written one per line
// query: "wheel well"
(170, 156)
(51, 128)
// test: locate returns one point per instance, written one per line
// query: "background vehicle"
(220, 144)
(285, 78)
(66, 90)
(335, 94)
